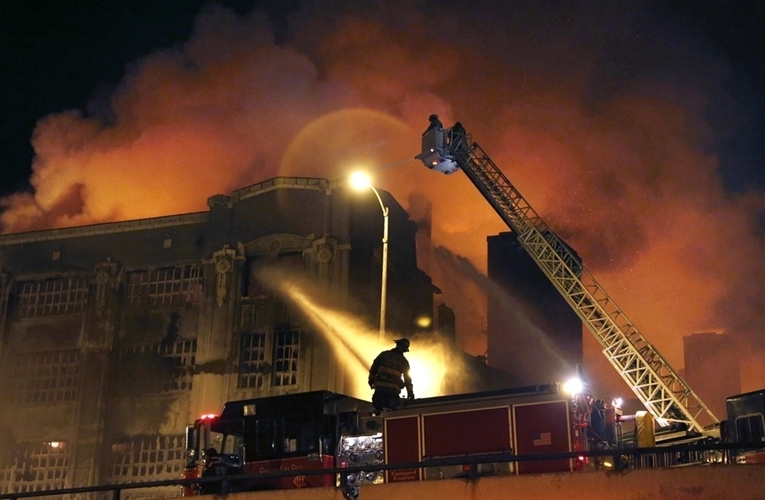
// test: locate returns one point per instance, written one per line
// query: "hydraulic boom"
(648, 374)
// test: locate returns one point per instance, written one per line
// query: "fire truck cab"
(271, 435)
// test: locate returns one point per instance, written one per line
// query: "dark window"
(259, 312)
(286, 356)
(255, 288)
(750, 429)
(247, 319)
(42, 377)
(260, 309)
(52, 297)
(165, 286)
(292, 260)
(253, 368)
(157, 368)
(36, 467)
(146, 457)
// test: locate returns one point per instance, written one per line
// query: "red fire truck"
(323, 430)
(523, 421)
(266, 436)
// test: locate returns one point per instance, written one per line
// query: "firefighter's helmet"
(403, 344)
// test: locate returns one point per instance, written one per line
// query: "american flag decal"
(542, 439)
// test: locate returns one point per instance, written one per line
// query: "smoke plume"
(596, 112)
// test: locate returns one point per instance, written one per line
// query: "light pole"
(359, 180)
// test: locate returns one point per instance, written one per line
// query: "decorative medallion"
(223, 265)
(324, 254)
(103, 276)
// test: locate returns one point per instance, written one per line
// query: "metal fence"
(618, 458)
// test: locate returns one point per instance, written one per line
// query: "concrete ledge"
(712, 482)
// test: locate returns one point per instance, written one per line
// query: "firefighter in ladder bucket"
(388, 375)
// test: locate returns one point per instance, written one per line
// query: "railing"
(621, 458)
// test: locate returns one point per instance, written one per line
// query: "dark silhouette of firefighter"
(596, 431)
(434, 123)
(459, 138)
(388, 375)
(215, 466)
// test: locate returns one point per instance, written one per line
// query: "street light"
(359, 181)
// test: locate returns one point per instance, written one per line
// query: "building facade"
(532, 332)
(114, 337)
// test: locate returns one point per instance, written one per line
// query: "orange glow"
(424, 321)
(629, 180)
(356, 344)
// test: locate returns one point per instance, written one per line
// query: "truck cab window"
(750, 428)
(298, 434)
(214, 440)
(265, 437)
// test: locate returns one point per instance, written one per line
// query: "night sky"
(635, 130)
(61, 55)
(57, 55)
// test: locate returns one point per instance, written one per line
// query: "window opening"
(158, 368)
(36, 467)
(225, 436)
(143, 457)
(261, 312)
(42, 377)
(750, 428)
(286, 355)
(252, 360)
(292, 260)
(52, 297)
(164, 286)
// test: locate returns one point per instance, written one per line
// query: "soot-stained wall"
(114, 337)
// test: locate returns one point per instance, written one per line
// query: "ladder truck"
(664, 394)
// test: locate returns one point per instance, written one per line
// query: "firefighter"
(388, 375)
(597, 432)
(459, 137)
(434, 123)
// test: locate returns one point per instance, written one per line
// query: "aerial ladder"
(661, 390)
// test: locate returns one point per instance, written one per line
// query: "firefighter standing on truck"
(388, 375)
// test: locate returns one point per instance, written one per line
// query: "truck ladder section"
(656, 384)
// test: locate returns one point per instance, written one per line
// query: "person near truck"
(215, 466)
(388, 375)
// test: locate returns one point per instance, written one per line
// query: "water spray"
(434, 363)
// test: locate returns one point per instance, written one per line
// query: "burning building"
(114, 336)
